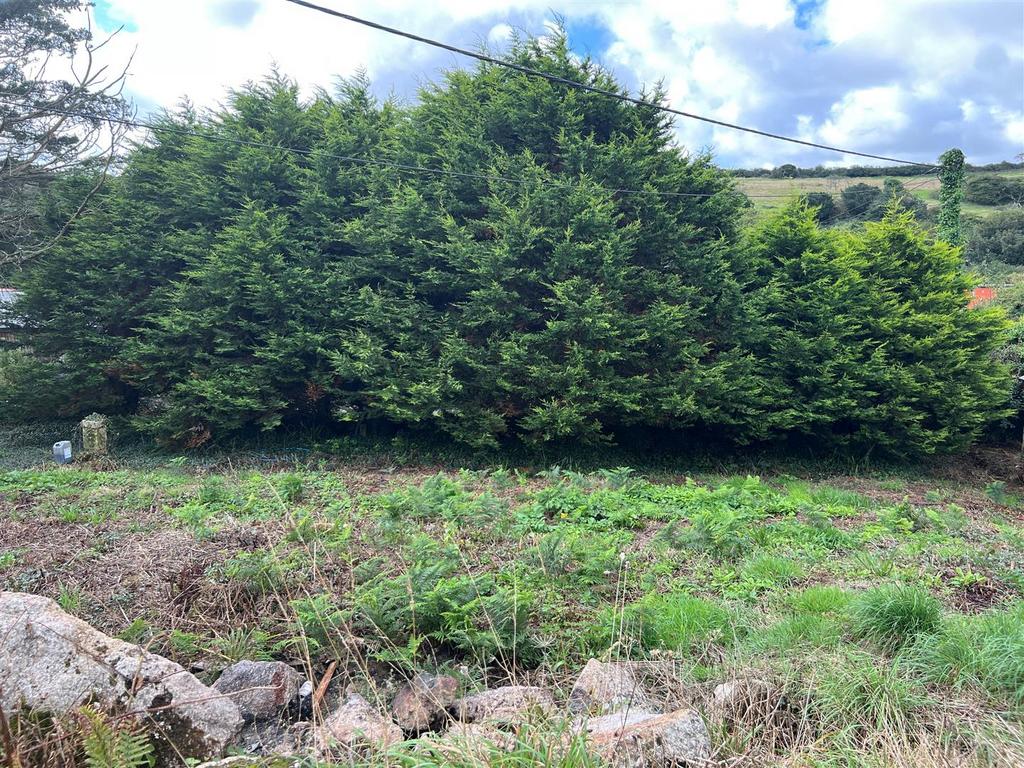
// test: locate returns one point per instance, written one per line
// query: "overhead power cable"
(406, 167)
(410, 168)
(588, 88)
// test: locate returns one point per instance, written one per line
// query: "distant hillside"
(789, 171)
(767, 193)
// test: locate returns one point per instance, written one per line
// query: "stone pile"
(53, 662)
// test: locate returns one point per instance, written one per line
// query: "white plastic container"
(62, 452)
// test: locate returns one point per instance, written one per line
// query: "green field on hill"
(925, 188)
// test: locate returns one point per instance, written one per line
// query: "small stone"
(639, 739)
(261, 689)
(607, 687)
(423, 701)
(509, 705)
(357, 724)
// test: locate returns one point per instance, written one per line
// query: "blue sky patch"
(108, 21)
(587, 36)
(806, 10)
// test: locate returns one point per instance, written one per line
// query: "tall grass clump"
(683, 623)
(861, 700)
(981, 652)
(892, 615)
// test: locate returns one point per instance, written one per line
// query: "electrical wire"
(409, 168)
(371, 161)
(588, 88)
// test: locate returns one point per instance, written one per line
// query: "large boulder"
(640, 739)
(424, 701)
(510, 705)
(356, 726)
(53, 662)
(261, 689)
(606, 687)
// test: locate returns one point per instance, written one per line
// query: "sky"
(902, 78)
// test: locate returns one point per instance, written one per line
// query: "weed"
(114, 743)
(802, 631)
(240, 643)
(681, 622)
(904, 518)
(718, 530)
(618, 478)
(773, 570)
(263, 570)
(996, 490)
(71, 599)
(138, 631)
(9, 558)
(318, 621)
(892, 615)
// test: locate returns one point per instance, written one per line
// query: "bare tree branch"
(52, 125)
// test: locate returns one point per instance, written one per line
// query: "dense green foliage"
(825, 203)
(999, 237)
(995, 190)
(858, 327)
(870, 202)
(951, 193)
(576, 274)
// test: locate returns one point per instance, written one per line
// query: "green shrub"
(893, 615)
(825, 205)
(30, 389)
(221, 286)
(994, 190)
(999, 238)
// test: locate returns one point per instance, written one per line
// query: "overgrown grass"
(859, 607)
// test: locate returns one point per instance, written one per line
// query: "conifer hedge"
(223, 284)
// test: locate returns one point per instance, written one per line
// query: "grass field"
(926, 188)
(885, 610)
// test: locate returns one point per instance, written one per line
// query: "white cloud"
(894, 77)
(499, 33)
(863, 115)
(1012, 124)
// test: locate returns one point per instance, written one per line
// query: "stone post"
(94, 435)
